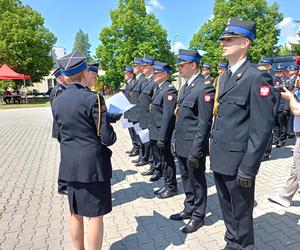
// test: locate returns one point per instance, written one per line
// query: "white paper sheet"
(126, 124)
(118, 103)
(137, 127)
(144, 135)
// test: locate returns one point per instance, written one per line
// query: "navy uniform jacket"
(85, 156)
(56, 91)
(127, 94)
(162, 119)
(283, 105)
(134, 114)
(145, 101)
(194, 119)
(243, 125)
(209, 79)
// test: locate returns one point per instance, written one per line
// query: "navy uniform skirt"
(89, 199)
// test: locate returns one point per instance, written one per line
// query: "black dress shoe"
(130, 151)
(155, 177)
(135, 161)
(148, 172)
(166, 194)
(159, 190)
(62, 191)
(266, 157)
(181, 216)
(141, 163)
(280, 144)
(134, 153)
(192, 226)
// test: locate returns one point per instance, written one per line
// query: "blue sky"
(183, 17)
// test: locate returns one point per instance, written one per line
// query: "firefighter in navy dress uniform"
(191, 135)
(242, 127)
(162, 121)
(129, 76)
(59, 87)
(206, 72)
(134, 113)
(85, 158)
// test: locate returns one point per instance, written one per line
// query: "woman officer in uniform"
(85, 163)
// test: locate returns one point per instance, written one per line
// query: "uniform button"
(221, 101)
(219, 115)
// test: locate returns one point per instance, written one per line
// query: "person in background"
(162, 121)
(292, 184)
(129, 76)
(59, 87)
(206, 72)
(222, 66)
(6, 96)
(281, 121)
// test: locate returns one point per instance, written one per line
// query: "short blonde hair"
(79, 77)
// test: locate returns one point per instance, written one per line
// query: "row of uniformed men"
(187, 116)
(243, 118)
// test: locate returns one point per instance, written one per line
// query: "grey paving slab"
(34, 216)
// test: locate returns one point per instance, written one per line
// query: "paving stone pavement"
(34, 216)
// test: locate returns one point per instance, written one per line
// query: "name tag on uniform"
(264, 90)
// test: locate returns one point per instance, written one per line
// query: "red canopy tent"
(6, 73)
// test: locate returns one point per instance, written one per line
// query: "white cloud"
(154, 4)
(289, 29)
(177, 46)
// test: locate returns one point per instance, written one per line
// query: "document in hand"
(125, 123)
(118, 103)
(144, 135)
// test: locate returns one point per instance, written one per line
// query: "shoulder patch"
(170, 97)
(264, 90)
(207, 97)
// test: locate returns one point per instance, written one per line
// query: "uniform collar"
(235, 67)
(189, 81)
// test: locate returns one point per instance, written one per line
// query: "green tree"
(133, 33)
(284, 50)
(295, 47)
(25, 43)
(265, 16)
(82, 44)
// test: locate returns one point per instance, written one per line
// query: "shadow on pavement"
(119, 175)
(153, 232)
(277, 231)
(281, 153)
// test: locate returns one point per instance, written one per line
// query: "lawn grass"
(32, 103)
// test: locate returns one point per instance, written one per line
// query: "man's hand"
(160, 144)
(287, 95)
(244, 180)
(192, 162)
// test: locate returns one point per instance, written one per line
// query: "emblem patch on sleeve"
(207, 97)
(170, 97)
(103, 108)
(264, 90)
